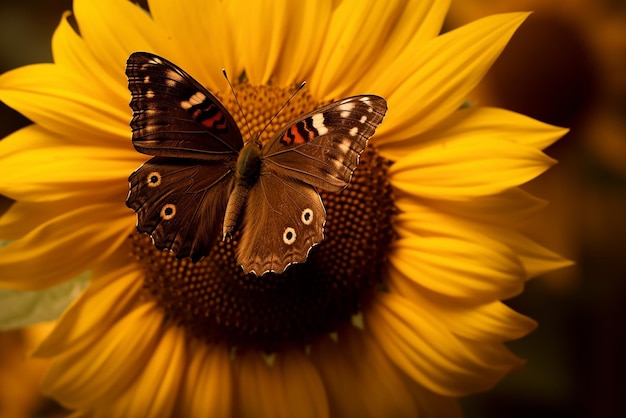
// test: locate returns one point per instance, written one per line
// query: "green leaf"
(23, 308)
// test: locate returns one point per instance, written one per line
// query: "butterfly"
(204, 178)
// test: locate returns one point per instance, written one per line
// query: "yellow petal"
(499, 123)
(361, 380)
(465, 166)
(435, 81)
(32, 136)
(487, 322)
(202, 32)
(108, 367)
(40, 259)
(509, 208)
(355, 36)
(56, 173)
(259, 33)
(459, 266)
(537, 259)
(71, 53)
(54, 98)
(494, 322)
(490, 124)
(420, 345)
(209, 385)
(418, 22)
(22, 217)
(155, 391)
(494, 227)
(290, 384)
(106, 301)
(113, 30)
(303, 40)
(496, 357)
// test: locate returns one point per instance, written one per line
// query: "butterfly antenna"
(300, 87)
(232, 89)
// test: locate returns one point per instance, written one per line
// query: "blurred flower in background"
(567, 66)
(563, 67)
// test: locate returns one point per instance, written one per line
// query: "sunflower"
(397, 313)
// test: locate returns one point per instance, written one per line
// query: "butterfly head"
(249, 161)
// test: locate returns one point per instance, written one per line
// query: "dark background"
(566, 66)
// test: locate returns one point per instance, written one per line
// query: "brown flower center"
(214, 301)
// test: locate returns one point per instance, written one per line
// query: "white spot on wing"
(363, 119)
(153, 179)
(197, 98)
(289, 236)
(307, 216)
(339, 165)
(346, 106)
(345, 113)
(354, 131)
(168, 211)
(344, 146)
(318, 124)
(149, 94)
(172, 78)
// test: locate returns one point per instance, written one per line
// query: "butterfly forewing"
(180, 203)
(323, 147)
(283, 219)
(174, 115)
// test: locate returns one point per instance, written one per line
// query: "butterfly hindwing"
(283, 219)
(323, 147)
(174, 115)
(180, 203)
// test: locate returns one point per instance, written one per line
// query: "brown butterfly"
(204, 178)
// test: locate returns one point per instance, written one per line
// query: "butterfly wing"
(284, 216)
(179, 195)
(174, 115)
(323, 147)
(283, 219)
(180, 203)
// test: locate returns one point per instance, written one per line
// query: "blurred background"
(566, 66)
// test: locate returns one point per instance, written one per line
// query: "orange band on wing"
(210, 122)
(295, 135)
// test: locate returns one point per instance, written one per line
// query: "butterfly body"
(246, 174)
(203, 181)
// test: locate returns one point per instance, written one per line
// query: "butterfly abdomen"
(246, 175)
